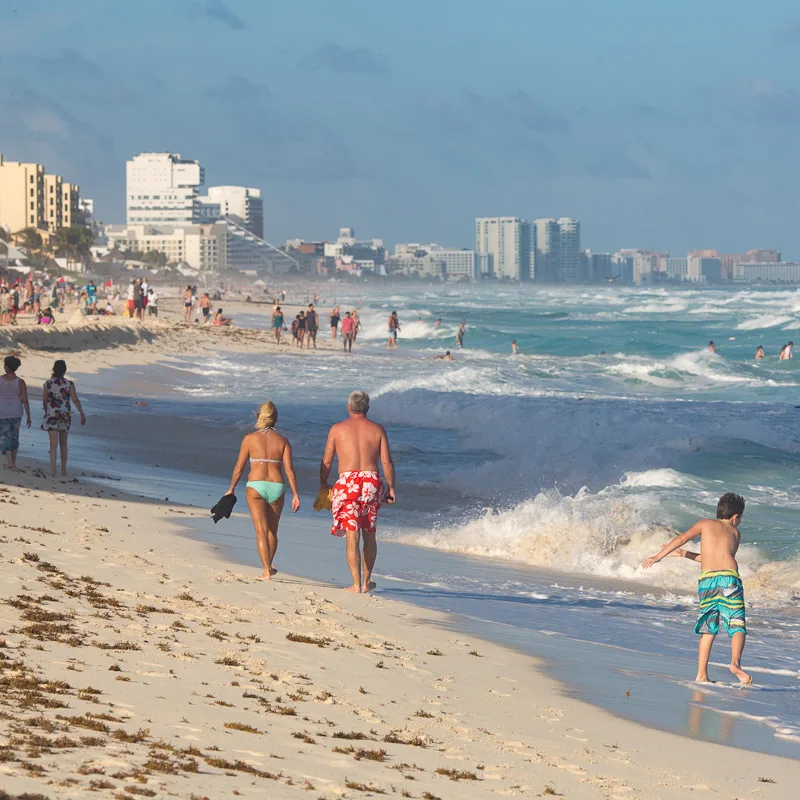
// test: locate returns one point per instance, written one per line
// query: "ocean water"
(542, 480)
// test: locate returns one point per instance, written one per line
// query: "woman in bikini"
(269, 455)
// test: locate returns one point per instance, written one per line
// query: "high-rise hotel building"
(503, 245)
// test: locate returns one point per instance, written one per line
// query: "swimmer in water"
(712, 347)
(448, 356)
(437, 323)
(786, 352)
(760, 352)
(514, 348)
(462, 329)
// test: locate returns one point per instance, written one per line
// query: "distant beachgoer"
(45, 317)
(359, 445)
(301, 328)
(277, 324)
(760, 352)
(5, 306)
(269, 455)
(462, 329)
(13, 399)
(110, 308)
(720, 588)
(312, 326)
(394, 329)
(787, 352)
(712, 347)
(448, 356)
(335, 319)
(348, 332)
(295, 326)
(514, 348)
(188, 297)
(152, 302)
(205, 307)
(138, 300)
(220, 319)
(57, 397)
(357, 321)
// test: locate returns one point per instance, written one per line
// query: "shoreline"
(172, 620)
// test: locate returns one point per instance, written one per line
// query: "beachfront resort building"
(33, 198)
(240, 203)
(200, 246)
(22, 195)
(163, 189)
(556, 250)
(767, 272)
(433, 261)
(505, 243)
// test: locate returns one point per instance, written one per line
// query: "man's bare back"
(357, 442)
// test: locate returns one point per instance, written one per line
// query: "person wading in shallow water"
(359, 445)
(58, 395)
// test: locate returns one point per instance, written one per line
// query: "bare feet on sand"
(353, 589)
(368, 587)
(702, 679)
(273, 571)
(266, 575)
(743, 677)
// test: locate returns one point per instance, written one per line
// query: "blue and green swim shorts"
(721, 597)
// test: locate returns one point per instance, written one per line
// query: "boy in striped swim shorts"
(720, 588)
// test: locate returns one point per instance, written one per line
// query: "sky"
(669, 126)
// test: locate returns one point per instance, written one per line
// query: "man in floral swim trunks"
(359, 444)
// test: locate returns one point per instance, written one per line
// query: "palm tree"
(31, 240)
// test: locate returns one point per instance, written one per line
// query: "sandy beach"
(138, 662)
(135, 661)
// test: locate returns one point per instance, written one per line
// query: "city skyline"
(658, 134)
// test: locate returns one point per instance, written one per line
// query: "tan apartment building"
(53, 201)
(70, 205)
(22, 195)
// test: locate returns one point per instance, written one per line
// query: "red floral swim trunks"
(356, 499)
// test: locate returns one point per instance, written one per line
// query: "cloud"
(647, 110)
(238, 88)
(530, 114)
(345, 59)
(617, 166)
(767, 102)
(71, 75)
(789, 33)
(218, 11)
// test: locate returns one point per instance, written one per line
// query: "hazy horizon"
(661, 127)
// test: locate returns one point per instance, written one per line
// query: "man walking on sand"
(358, 444)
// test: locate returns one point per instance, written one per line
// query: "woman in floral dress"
(57, 398)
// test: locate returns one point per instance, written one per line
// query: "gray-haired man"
(358, 444)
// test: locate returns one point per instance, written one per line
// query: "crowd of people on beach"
(58, 397)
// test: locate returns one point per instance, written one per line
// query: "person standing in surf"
(394, 329)
(359, 445)
(720, 588)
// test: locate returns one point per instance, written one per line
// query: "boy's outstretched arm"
(677, 542)
(681, 553)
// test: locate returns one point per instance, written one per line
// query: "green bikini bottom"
(269, 490)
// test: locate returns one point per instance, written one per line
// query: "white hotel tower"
(162, 189)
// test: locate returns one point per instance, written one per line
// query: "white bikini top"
(266, 460)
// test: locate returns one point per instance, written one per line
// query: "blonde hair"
(267, 416)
